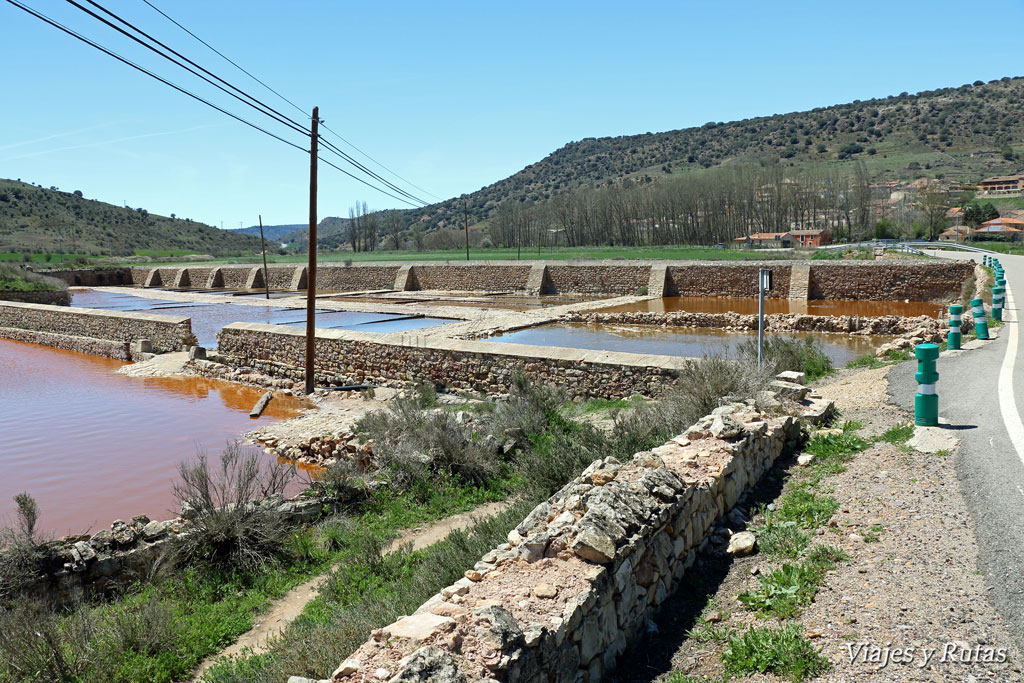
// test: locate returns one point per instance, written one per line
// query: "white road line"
(1007, 401)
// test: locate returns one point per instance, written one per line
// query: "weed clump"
(785, 652)
(791, 353)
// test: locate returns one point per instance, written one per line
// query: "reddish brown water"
(93, 446)
(696, 304)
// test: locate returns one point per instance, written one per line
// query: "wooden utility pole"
(311, 268)
(263, 243)
(465, 218)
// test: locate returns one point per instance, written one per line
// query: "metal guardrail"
(910, 248)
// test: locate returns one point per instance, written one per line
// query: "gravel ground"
(916, 588)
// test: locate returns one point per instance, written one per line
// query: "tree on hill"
(933, 203)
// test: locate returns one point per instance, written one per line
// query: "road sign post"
(764, 284)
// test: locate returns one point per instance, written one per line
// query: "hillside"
(962, 133)
(35, 220)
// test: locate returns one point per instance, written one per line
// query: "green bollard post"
(980, 324)
(926, 401)
(956, 313)
(997, 302)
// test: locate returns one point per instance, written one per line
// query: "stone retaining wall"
(726, 279)
(52, 297)
(356, 277)
(167, 333)
(917, 281)
(96, 347)
(92, 277)
(347, 357)
(580, 577)
(86, 566)
(914, 280)
(472, 278)
(775, 322)
(597, 279)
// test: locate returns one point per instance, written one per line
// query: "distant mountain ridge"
(271, 232)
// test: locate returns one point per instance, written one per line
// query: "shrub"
(232, 526)
(790, 353)
(36, 645)
(413, 446)
(20, 551)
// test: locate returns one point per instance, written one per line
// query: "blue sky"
(452, 96)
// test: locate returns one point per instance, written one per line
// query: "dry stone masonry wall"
(347, 357)
(167, 333)
(580, 577)
(725, 279)
(914, 280)
(471, 278)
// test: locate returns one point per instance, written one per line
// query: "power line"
(149, 73)
(285, 99)
(181, 89)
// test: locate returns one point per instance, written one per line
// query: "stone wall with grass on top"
(349, 357)
(59, 297)
(92, 277)
(580, 577)
(167, 333)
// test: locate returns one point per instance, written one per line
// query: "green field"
(681, 252)
(54, 260)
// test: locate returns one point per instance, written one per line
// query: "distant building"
(763, 240)
(1002, 184)
(1001, 229)
(955, 234)
(810, 238)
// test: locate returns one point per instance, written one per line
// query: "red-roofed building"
(761, 240)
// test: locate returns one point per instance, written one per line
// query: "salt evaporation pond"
(668, 341)
(701, 304)
(209, 318)
(93, 446)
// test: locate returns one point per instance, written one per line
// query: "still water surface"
(93, 446)
(698, 304)
(209, 318)
(692, 343)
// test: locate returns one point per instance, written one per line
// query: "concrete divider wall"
(347, 357)
(168, 333)
(580, 577)
(487, 278)
(598, 279)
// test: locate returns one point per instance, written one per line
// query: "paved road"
(977, 392)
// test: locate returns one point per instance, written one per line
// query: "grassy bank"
(16, 279)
